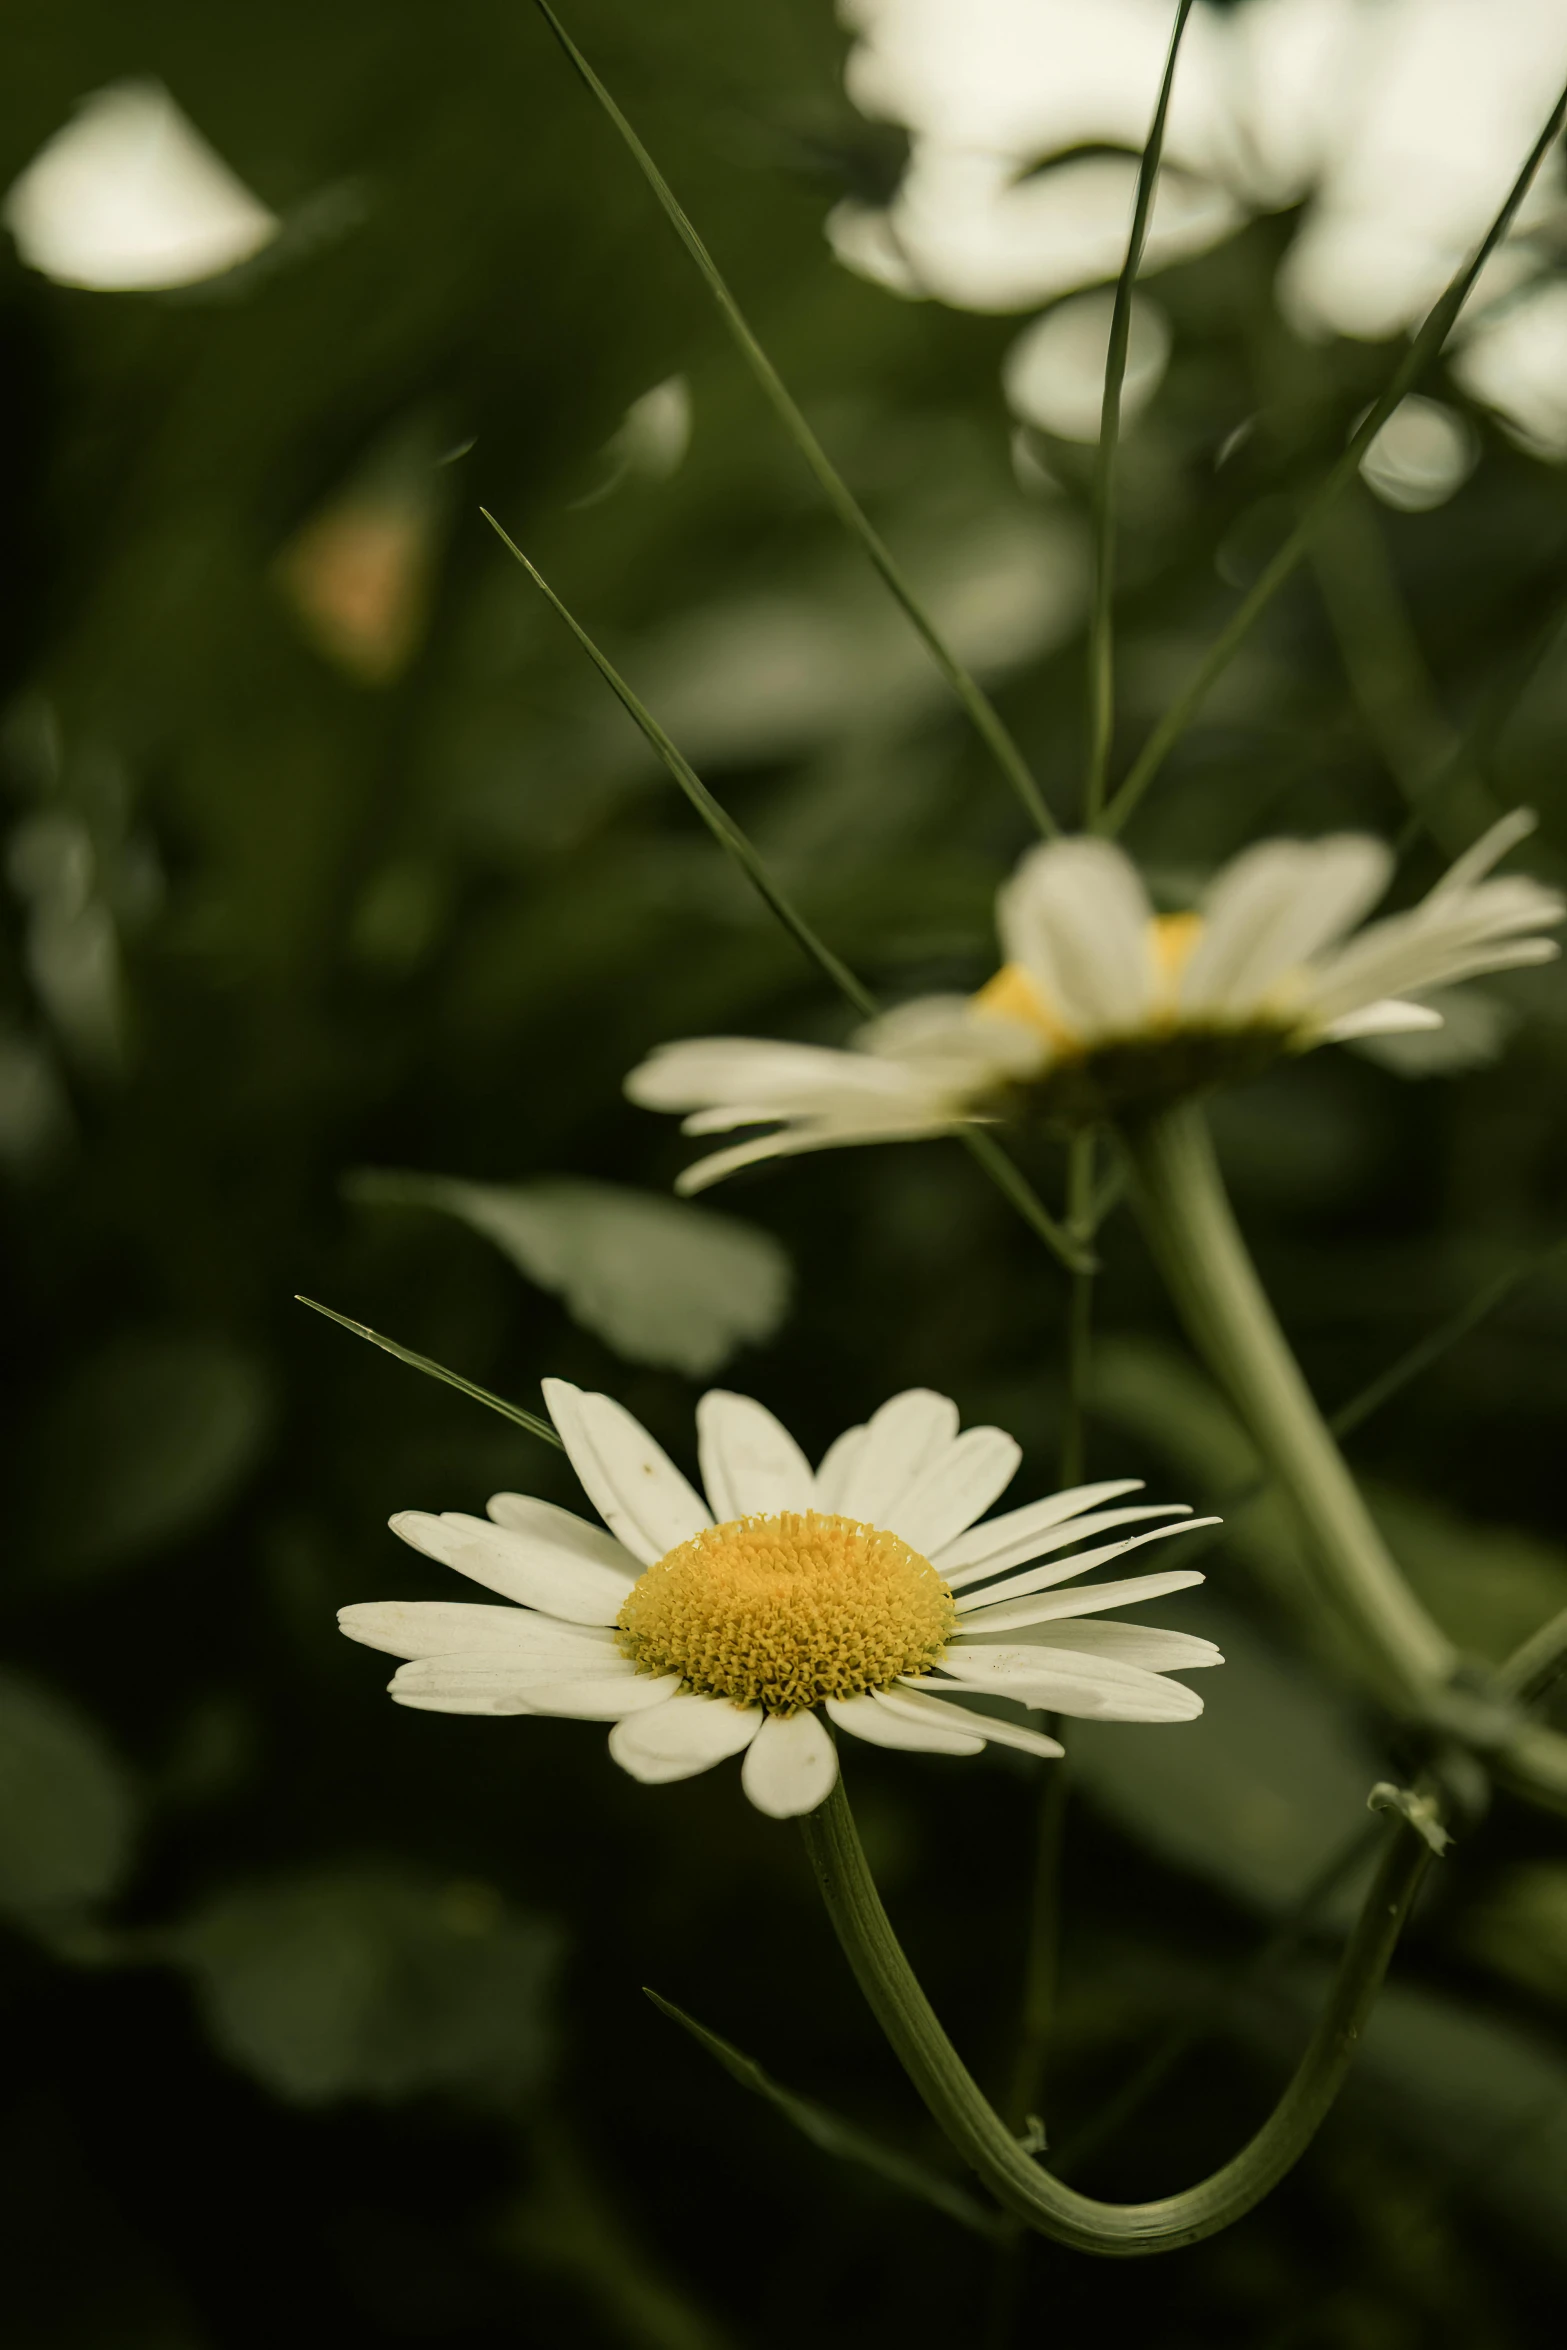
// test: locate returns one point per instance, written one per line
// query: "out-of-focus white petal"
(790, 1766)
(1053, 375)
(1272, 909)
(686, 1735)
(1075, 915)
(751, 1465)
(1387, 1018)
(129, 197)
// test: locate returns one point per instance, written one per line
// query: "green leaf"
(66, 1809)
(657, 1279)
(374, 1982)
(835, 2136)
(1257, 1795)
(145, 1442)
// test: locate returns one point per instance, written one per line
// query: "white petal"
(899, 1440)
(879, 1727)
(790, 1766)
(687, 1735)
(997, 1534)
(1271, 910)
(1065, 1681)
(974, 1603)
(630, 1480)
(819, 1135)
(1132, 1644)
(549, 1569)
(958, 1486)
(479, 1669)
(779, 1080)
(1034, 1546)
(602, 1699)
(443, 1627)
(751, 1465)
(1076, 916)
(836, 1466)
(1389, 1017)
(914, 1705)
(1049, 1604)
(1488, 850)
(460, 1701)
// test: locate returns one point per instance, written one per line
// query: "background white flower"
(1103, 1006)
(867, 1590)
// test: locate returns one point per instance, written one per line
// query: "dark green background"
(322, 2016)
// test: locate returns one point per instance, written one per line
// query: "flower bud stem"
(1042, 2202)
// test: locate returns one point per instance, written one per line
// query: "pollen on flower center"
(782, 1611)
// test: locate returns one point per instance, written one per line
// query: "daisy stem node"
(978, 2133)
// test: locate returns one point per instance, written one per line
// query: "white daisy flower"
(864, 1591)
(1103, 1007)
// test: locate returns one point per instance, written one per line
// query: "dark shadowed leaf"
(66, 1807)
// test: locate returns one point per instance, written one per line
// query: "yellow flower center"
(1014, 995)
(782, 1611)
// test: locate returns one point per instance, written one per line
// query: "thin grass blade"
(405, 1354)
(1101, 632)
(1424, 348)
(982, 712)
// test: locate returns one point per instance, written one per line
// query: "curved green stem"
(976, 2130)
(1192, 1232)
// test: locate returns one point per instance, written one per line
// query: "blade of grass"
(1101, 633)
(1424, 347)
(1002, 1171)
(982, 712)
(835, 2136)
(405, 1354)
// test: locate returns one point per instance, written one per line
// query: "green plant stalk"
(977, 2132)
(432, 1370)
(1423, 349)
(1101, 629)
(982, 712)
(1180, 1199)
(982, 1146)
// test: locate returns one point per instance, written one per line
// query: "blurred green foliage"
(327, 853)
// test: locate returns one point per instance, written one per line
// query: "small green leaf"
(657, 1279)
(837, 2137)
(66, 1808)
(374, 1982)
(143, 1444)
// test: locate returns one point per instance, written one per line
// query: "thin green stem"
(1531, 1670)
(1194, 1238)
(982, 712)
(1003, 1172)
(1435, 1344)
(1080, 1189)
(1388, 677)
(432, 1370)
(977, 2132)
(1042, 1951)
(1111, 2118)
(1209, 1274)
(1422, 350)
(1101, 631)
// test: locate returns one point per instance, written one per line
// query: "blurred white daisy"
(863, 1591)
(1103, 1007)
